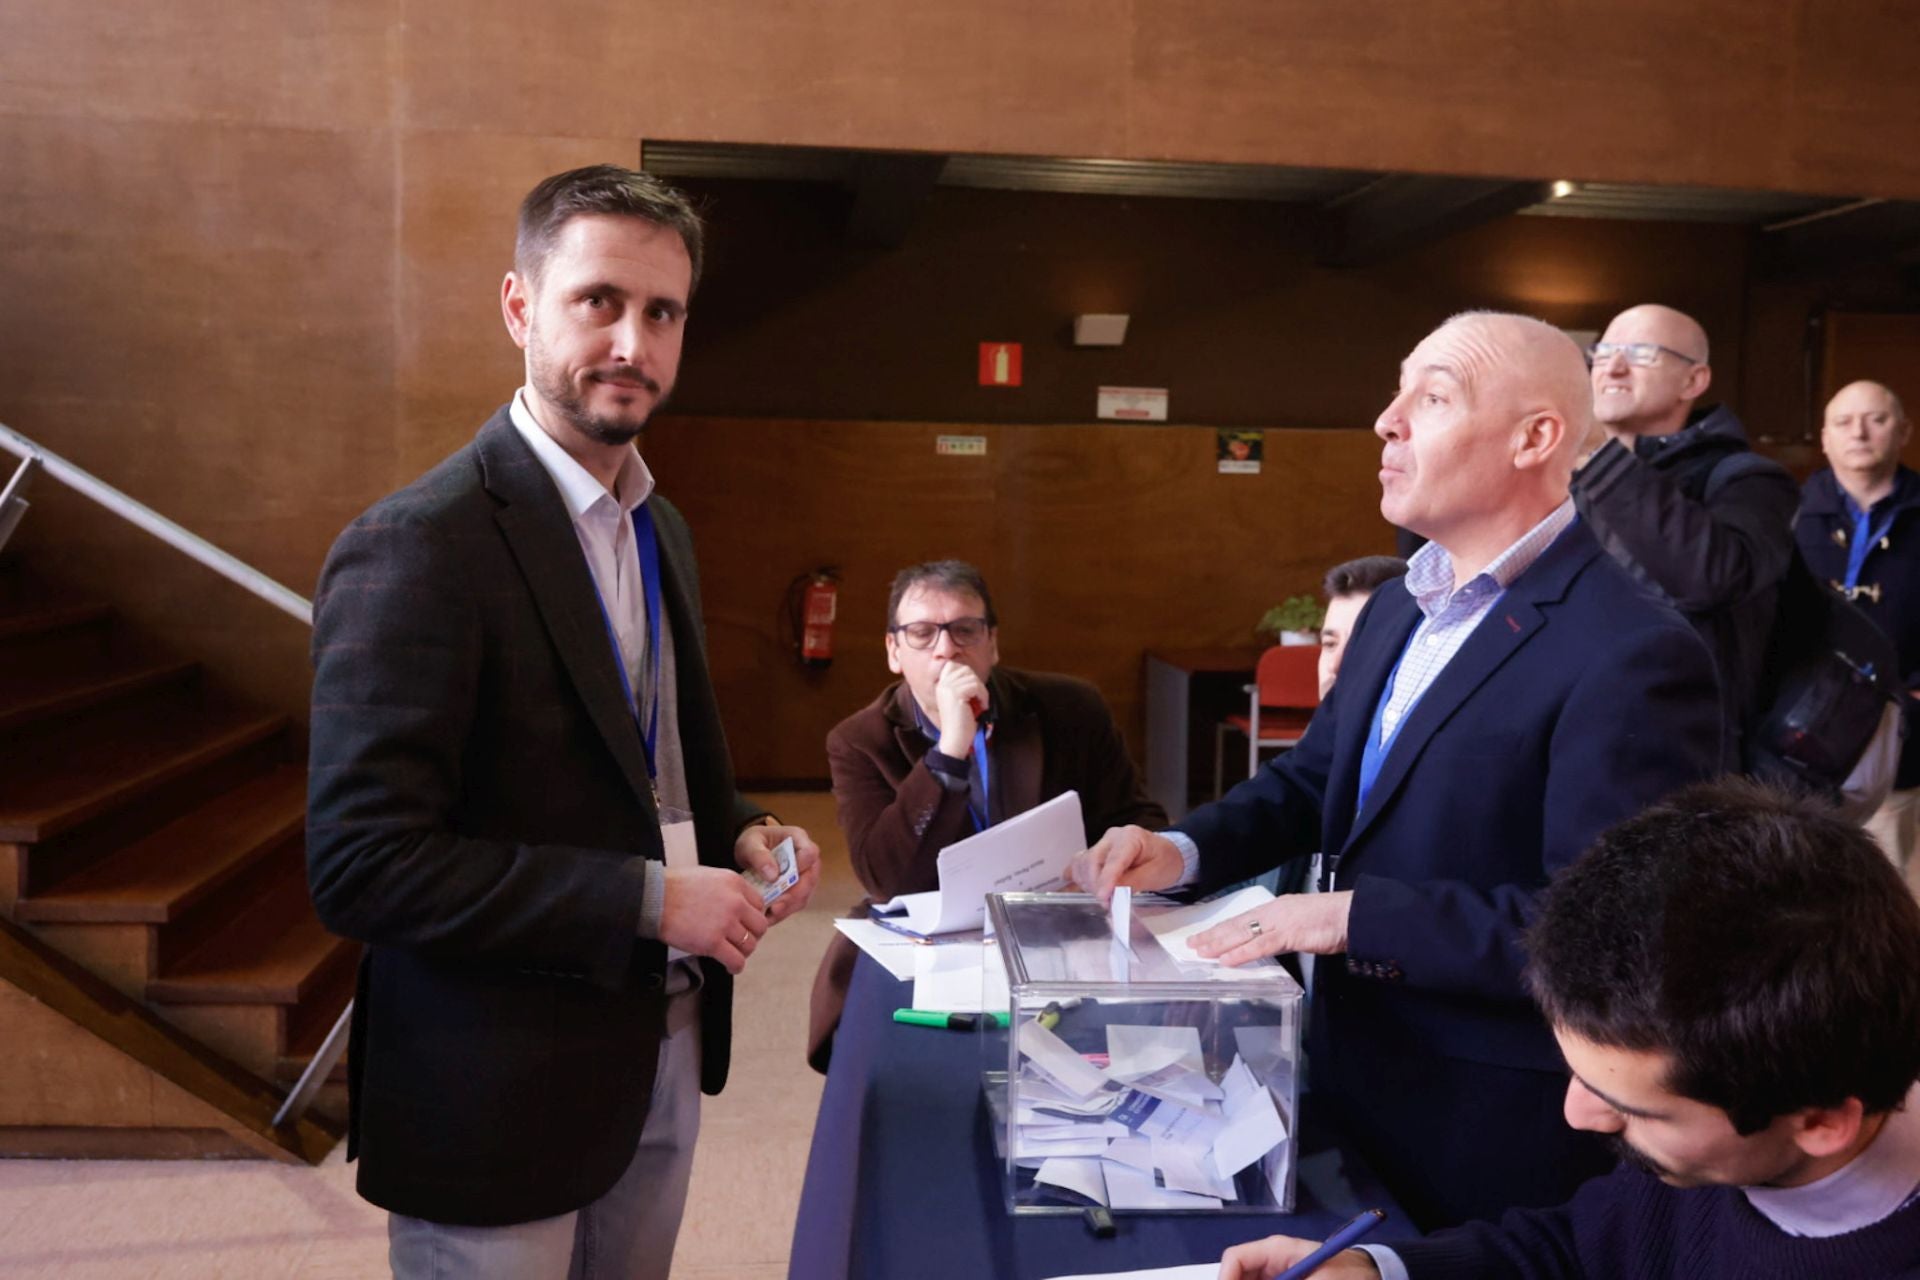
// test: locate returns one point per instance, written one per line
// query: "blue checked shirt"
(1449, 617)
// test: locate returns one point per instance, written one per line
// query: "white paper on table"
(1253, 1128)
(1058, 1060)
(1079, 1175)
(1187, 1168)
(1199, 1271)
(963, 978)
(1174, 928)
(1130, 1187)
(892, 952)
(1029, 852)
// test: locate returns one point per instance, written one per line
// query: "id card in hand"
(789, 874)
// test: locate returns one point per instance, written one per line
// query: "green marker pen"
(950, 1021)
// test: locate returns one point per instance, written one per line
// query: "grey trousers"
(627, 1234)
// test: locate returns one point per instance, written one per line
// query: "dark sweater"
(1630, 1226)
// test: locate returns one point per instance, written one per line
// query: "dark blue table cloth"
(902, 1181)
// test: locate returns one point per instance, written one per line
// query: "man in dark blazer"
(1859, 532)
(907, 768)
(520, 793)
(1512, 696)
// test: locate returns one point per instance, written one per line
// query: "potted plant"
(1295, 620)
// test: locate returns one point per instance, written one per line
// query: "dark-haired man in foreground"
(520, 796)
(1734, 978)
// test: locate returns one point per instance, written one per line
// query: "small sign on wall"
(1134, 404)
(999, 364)
(1237, 453)
(961, 446)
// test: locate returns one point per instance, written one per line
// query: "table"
(1189, 691)
(902, 1180)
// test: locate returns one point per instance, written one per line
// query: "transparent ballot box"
(1131, 1073)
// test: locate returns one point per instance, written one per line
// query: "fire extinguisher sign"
(999, 364)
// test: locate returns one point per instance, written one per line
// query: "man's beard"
(554, 387)
(1634, 1157)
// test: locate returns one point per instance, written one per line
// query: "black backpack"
(1827, 678)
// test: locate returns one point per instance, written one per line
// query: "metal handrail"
(230, 567)
(242, 574)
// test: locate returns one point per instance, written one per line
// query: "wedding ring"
(1253, 927)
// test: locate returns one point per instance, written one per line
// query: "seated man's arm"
(396, 677)
(894, 835)
(1600, 1224)
(1637, 725)
(1703, 555)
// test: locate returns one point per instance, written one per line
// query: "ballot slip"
(1028, 852)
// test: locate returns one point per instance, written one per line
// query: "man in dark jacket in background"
(1714, 541)
(1859, 532)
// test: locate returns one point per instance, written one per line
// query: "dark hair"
(1360, 577)
(1758, 939)
(602, 189)
(941, 575)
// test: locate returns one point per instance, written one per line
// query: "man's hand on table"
(1265, 1259)
(1310, 922)
(753, 850)
(1131, 856)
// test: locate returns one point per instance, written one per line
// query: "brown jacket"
(1052, 734)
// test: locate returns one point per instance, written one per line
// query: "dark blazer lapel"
(539, 532)
(1019, 753)
(1507, 628)
(1379, 635)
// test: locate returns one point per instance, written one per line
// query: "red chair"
(1280, 702)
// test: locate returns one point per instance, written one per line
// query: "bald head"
(1653, 399)
(1863, 433)
(1480, 439)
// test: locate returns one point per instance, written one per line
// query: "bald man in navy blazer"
(1515, 694)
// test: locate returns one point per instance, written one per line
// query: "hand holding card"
(788, 877)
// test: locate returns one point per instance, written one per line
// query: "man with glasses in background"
(1711, 536)
(954, 746)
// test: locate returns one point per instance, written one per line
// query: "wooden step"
(275, 953)
(311, 1022)
(29, 607)
(246, 1101)
(158, 879)
(55, 777)
(79, 680)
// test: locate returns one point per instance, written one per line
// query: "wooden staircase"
(151, 832)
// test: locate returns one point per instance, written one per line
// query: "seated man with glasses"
(957, 744)
(1711, 536)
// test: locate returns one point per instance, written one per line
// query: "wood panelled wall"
(1099, 542)
(249, 258)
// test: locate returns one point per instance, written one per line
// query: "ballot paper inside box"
(1132, 1076)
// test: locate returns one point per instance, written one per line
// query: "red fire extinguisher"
(816, 598)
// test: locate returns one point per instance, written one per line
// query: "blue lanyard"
(649, 547)
(1864, 538)
(983, 816)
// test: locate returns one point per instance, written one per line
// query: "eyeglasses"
(966, 632)
(1639, 353)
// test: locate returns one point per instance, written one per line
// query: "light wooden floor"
(115, 1220)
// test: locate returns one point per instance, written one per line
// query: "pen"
(1336, 1243)
(951, 1021)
